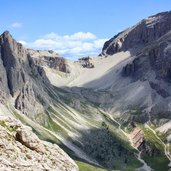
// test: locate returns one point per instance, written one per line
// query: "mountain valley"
(88, 108)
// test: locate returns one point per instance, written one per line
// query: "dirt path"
(145, 167)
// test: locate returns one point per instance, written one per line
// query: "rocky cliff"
(140, 35)
(148, 43)
(49, 59)
(22, 74)
(21, 149)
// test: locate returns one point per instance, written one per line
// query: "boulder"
(30, 140)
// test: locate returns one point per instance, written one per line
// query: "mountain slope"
(57, 115)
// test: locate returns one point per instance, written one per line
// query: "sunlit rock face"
(21, 149)
(145, 32)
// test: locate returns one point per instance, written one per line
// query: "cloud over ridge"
(71, 46)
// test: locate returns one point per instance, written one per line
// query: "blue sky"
(73, 27)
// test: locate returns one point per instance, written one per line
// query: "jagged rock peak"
(7, 41)
(136, 37)
(13, 58)
(6, 33)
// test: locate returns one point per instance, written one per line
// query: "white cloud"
(80, 36)
(71, 46)
(23, 42)
(75, 36)
(16, 25)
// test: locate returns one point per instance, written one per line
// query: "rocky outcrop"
(159, 90)
(86, 62)
(30, 140)
(159, 56)
(147, 31)
(23, 77)
(21, 149)
(27, 99)
(129, 69)
(152, 58)
(49, 59)
(13, 56)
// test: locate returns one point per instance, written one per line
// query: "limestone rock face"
(27, 99)
(21, 149)
(152, 58)
(49, 59)
(20, 78)
(147, 31)
(86, 62)
(129, 69)
(13, 56)
(149, 43)
(22, 74)
(4, 90)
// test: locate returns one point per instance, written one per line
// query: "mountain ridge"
(146, 31)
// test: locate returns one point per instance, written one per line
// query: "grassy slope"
(43, 134)
(87, 167)
(158, 162)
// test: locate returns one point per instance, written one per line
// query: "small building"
(137, 137)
